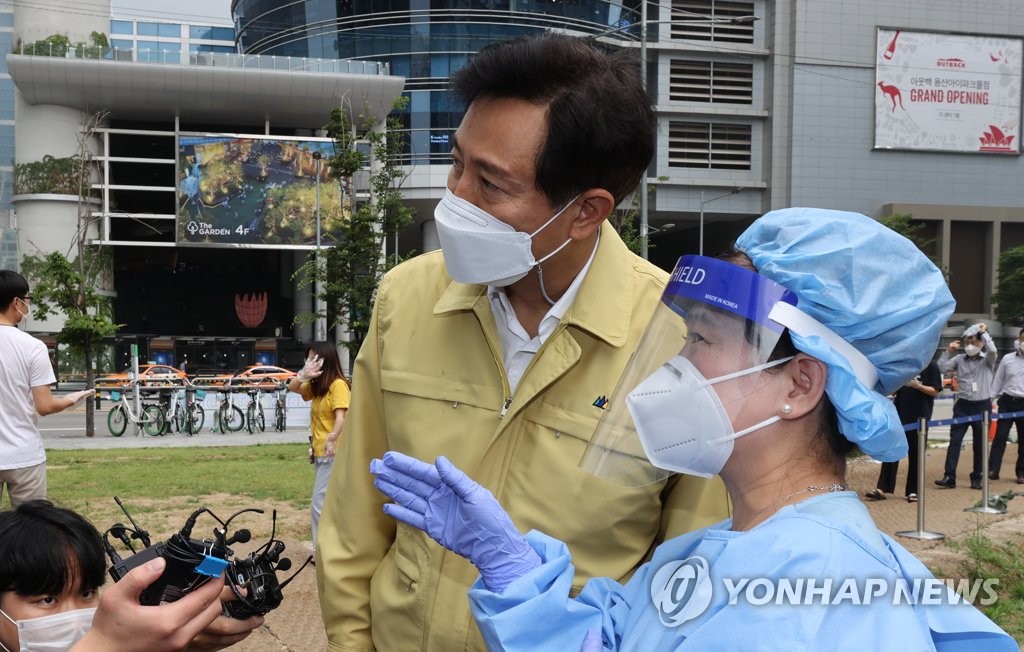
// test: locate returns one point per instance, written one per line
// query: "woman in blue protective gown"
(766, 367)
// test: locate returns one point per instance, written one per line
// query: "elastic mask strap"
(4, 614)
(736, 435)
(751, 370)
(553, 218)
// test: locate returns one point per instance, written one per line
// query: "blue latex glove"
(458, 513)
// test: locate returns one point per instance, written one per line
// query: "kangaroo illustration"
(893, 93)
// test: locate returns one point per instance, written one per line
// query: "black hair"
(44, 549)
(12, 286)
(600, 124)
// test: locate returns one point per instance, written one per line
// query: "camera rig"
(193, 562)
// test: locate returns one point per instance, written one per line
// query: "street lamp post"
(320, 325)
(700, 245)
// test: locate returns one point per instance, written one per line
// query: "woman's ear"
(595, 205)
(807, 377)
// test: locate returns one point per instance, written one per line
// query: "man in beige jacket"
(499, 352)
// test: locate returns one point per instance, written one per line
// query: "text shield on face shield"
(697, 283)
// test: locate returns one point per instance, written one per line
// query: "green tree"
(1009, 298)
(351, 270)
(904, 224)
(65, 284)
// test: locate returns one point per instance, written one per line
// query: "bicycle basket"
(200, 394)
(115, 396)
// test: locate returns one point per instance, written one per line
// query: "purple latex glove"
(458, 513)
(592, 642)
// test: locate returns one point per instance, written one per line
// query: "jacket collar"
(610, 277)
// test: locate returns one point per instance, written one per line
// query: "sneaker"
(912, 498)
(947, 481)
(993, 475)
(975, 484)
(1020, 479)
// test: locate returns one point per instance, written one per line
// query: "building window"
(120, 27)
(728, 22)
(711, 81)
(709, 145)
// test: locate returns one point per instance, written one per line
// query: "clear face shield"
(685, 394)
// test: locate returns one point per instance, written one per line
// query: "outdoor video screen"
(245, 191)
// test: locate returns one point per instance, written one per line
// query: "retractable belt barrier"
(922, 433)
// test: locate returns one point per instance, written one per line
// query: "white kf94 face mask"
(481, 249)
(681, 422)
(54, 633)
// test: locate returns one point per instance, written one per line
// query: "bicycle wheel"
(180, 422)
(154, 420)
(250, 417)
(232, 419)
(196, 418)
(117, 420)
(261, 419)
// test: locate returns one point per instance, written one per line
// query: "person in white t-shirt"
(25, 379)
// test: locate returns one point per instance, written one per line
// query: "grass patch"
(162, 486)
(985, 559)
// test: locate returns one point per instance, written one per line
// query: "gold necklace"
(832, 488)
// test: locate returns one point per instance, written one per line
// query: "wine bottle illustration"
(891, 48)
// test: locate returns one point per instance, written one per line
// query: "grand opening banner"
(947, 92)
(259, 192)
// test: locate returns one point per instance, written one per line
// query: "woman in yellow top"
(321, 381)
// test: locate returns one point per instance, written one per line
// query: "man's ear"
(595, 205)
(807, 378)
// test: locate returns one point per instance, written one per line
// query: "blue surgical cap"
(874, 289)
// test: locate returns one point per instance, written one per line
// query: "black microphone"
(284, 564)
(241, 536)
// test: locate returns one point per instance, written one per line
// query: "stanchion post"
(985, 507)
(922, 446)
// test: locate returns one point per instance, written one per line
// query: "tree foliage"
(904, 224)
(1009, 298)
(65, 282)
(366, 164)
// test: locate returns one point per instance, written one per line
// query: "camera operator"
(49, 594)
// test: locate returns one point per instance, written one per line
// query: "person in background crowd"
(322, 382)
(25, 378)
(1008, 385)
(974, 369)
(913, 401)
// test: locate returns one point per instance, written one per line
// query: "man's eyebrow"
(492, 169)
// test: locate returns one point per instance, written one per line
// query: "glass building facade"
(422, 40)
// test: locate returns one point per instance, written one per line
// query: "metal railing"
(212, 59)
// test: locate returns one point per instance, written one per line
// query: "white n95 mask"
(681, 422)
(54, 633)
(481, 249)
(972, 350)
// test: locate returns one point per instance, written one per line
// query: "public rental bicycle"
(280, 407)
(151, 416)
(228, 417)
(254, 417)
(185, 411)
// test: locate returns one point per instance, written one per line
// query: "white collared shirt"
(517, 347)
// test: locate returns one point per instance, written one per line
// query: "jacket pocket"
(431, 416)
(398, 593)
